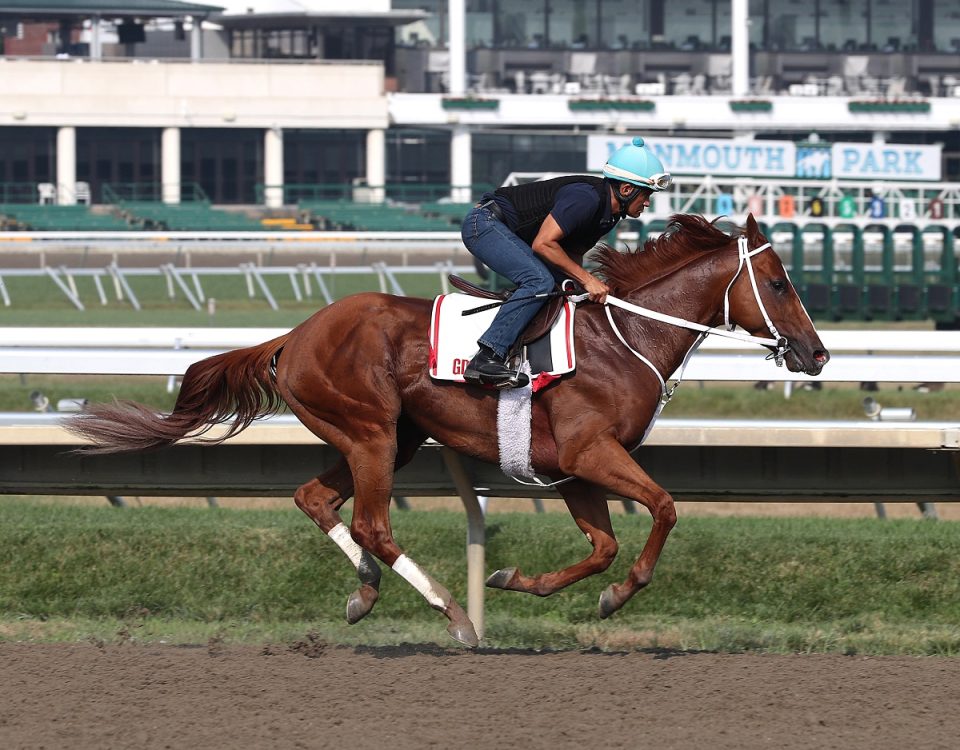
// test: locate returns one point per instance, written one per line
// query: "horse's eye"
(779, 285)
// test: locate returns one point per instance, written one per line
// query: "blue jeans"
(487, 238)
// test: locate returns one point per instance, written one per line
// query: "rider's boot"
(489, 368)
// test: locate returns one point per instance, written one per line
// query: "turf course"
(186, 575)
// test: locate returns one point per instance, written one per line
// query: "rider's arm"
(547, 246)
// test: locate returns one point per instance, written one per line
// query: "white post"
(457, 15)
(273, 167)
(461, 167)
(170, 165)
(66, 166)
(376, 165)
(740, 47)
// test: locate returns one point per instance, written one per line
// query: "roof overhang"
(144, 9)
(307, 19)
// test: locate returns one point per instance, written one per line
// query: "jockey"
(536, 235)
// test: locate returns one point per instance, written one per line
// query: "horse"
(356, 375)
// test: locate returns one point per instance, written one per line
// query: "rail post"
(476, 538)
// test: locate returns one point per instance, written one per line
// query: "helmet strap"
(625, 201)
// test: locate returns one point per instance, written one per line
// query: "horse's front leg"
(607, 463)
(587, 504)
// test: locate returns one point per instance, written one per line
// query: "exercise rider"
(536, 235)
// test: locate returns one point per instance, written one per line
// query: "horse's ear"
(753, 229)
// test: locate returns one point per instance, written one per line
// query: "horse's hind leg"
(321, 499)
(373, 467)
(588, 506)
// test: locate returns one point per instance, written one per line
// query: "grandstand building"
(835, 122)
(267, 103)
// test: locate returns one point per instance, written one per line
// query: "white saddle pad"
(453, 339)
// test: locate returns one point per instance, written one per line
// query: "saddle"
(537, 328)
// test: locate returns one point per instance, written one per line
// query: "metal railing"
(776, 199)
(303, 279)
(151, 192)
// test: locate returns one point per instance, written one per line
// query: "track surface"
(311, 695)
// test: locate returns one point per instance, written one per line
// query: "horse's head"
(763, 301)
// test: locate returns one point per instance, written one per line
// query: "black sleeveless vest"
(533, 201)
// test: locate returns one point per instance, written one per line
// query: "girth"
(540, 325)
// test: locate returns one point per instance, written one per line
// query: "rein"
(745, 260)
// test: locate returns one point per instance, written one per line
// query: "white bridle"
(745, 256)
(776, 340)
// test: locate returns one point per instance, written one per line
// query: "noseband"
(746, 259)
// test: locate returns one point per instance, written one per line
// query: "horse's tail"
(232, 388)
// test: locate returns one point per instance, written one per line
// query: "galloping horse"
(356, 375)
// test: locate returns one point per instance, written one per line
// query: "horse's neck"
(694, 293)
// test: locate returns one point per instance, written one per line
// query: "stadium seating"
(182, 217)
(50, 218)
(373, 217)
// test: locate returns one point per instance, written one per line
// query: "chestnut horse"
(355, 374)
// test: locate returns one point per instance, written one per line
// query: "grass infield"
(190, 575)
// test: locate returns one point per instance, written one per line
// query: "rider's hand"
(597, 290)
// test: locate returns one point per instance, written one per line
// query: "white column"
(196, 39)
(66, 166)
(461, 165)
(96, 48)
(273, 167)
(376, 165)
(457, 15)
(740, 47)
(170, 165)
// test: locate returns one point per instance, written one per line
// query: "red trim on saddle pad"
(543, 380)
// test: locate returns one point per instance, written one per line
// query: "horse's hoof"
(361, 602)
(464, 633)
(501, 578)
(608, 602)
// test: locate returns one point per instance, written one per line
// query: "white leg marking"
(341, 535)
(435, 594)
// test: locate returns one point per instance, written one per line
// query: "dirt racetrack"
(311, 695)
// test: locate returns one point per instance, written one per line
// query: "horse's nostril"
(821, 356)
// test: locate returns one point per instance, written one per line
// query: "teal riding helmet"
(635, 163)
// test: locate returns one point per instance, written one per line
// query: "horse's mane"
(686, 236)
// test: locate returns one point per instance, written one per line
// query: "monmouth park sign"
(727, 157)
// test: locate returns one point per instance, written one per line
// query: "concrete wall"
(183, 94)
